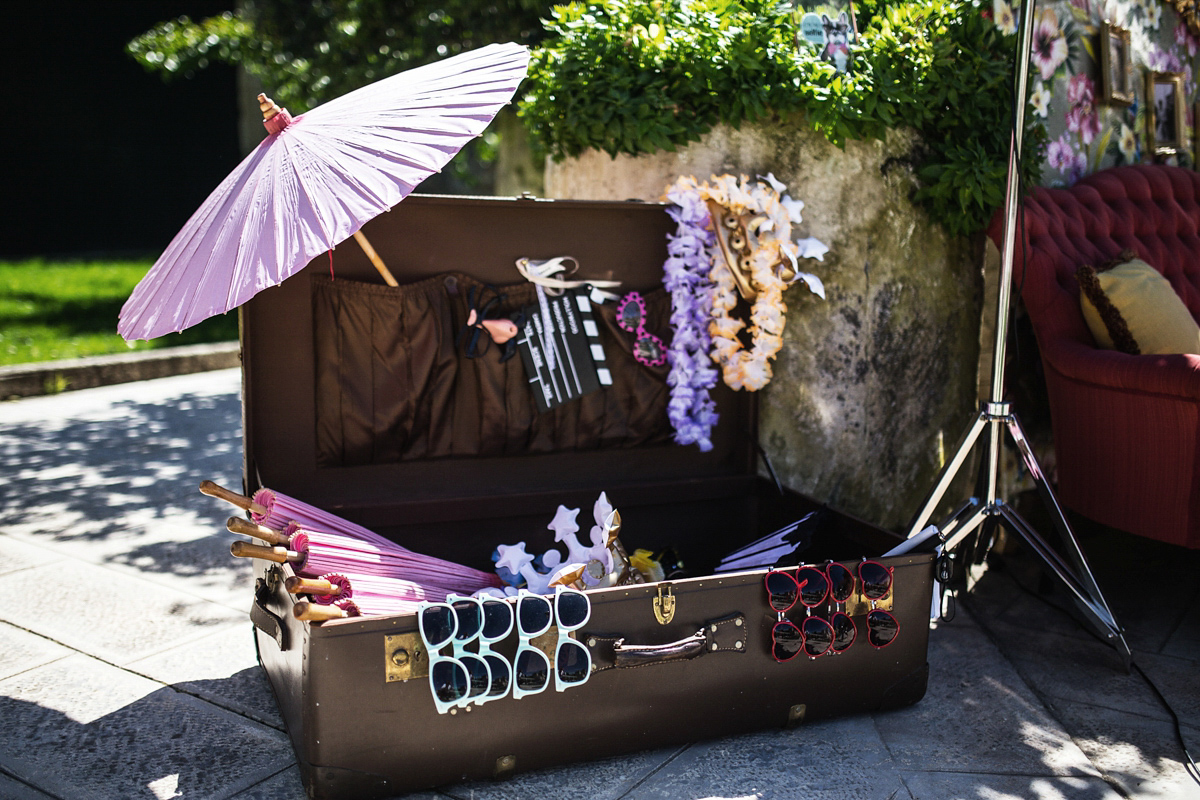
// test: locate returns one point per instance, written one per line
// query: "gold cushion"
(1129, 306)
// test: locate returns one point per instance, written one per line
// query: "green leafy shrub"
(307, 53)
(640, 76)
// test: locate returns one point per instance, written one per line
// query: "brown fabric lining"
(392, 384)
(1114, 323)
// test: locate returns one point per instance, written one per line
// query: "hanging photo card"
(828, 27)
(561, 350)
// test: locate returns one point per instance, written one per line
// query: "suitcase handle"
(640, 655)
(609, 651)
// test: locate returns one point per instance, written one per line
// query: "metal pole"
(1012, 198)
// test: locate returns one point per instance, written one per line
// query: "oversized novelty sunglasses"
(572, 661)
(882, 627)
(631, 316)
(810, 586)
(469, 613)
(449, 681)
(814, 637)
(531, 668)
(497, 624)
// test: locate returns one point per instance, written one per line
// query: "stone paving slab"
(286, 785)
(1096, 673)
(976, 786)
(1184, 641)
(115, 617)
(607, 779)
(15, 555)
(21, 650)
(1139, 754)
(221, 668)
(828, 760)
(131, 738)
(978, 715)
(11, 789)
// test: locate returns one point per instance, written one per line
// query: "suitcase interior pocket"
(394, 383)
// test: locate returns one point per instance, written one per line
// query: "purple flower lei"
(685, 275)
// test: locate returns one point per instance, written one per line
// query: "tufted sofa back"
(1152, 209)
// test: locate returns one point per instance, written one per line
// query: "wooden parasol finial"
(268, 107)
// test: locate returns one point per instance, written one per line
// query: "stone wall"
(875, 385)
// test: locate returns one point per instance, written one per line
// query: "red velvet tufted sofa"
(1126, 428)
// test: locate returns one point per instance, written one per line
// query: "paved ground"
(127, 667)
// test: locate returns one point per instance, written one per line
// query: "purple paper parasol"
(315, 180)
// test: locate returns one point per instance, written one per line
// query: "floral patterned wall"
(1086, 134)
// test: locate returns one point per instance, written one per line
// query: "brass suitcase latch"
(664, 604)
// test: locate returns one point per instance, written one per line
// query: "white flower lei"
(772, 248)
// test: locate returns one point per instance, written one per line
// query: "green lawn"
(52, 310)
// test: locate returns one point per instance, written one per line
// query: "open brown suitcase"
(356, 400)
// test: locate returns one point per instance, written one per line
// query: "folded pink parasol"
(314, 554)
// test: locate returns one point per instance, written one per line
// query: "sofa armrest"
(1176, 376)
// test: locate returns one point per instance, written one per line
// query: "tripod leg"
(1081, 581)
(948, 472)
(1093, 606)
(1051, 503)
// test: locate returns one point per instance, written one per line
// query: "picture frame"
(1165, 117)
(1196, 137)
(1116, 69)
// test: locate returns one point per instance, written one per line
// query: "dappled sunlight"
(117, 481)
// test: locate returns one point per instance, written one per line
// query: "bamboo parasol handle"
(375, 259)
(248, 528)
(297, 585)
(311, 612)
(240, 500)
(279, 555)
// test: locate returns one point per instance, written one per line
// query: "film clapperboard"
(564, 359)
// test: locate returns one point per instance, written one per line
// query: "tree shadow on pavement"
(119, 482)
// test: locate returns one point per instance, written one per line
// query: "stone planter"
(875, 385)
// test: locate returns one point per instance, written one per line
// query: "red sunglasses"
(811, 586)
(882, 627)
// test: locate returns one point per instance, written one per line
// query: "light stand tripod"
(990, 510)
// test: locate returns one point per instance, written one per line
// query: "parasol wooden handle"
(248, 528)
(297, 585)
(240, 500)
(312, 612)
(380, 267)
(279, 555)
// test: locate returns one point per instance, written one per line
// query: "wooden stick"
(248, 528)
(297, 585)
(241, 501)
(312, 612)
(375, 259)
(277, 554)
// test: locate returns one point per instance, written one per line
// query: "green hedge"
(640, 76)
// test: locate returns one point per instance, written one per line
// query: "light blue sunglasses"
(572, 661)
(449, 681)
(531, 668)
